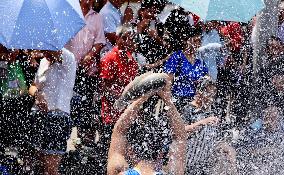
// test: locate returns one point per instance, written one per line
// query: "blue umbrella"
(222, 10)
(39, 24)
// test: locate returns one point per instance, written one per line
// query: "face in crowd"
(126, 42)
(211, 25)
(271, 118)
(208, 94)
(275, 47)
(193, 43)
(87, 4)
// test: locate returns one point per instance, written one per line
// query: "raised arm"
(176, 164)
(117, 152)
(178, 147)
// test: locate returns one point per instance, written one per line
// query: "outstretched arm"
(195, 126)
(158, 63)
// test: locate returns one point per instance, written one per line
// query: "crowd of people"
(147, 96)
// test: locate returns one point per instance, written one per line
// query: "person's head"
(206, 90)
(177, 29)
(175, 38)
(151, 8)
(211, 25)
(271, 117)
(125, 38)
(116, 3)
(275, 47)
(194, 41)
(150, 136)
(86, 5)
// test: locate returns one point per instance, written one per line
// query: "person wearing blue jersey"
(185, 67)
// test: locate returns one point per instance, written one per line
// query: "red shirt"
(116, 73)
(234, 31)
(195, 18)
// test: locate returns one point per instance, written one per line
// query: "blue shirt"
(136, 171)
(185, 74)
(111, 19)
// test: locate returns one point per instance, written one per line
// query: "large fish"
(141, 85)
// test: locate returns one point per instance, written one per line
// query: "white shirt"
(280, 32)
(211, 37)
(112, 19)
(55, 82)
(211, 43)
(190, 20)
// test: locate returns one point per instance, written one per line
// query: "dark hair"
(195, 31)
(204, 82)
(178, 26)
(159, 4)
(274, 38)
(274, 68)
(150, 136)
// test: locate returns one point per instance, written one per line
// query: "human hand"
(33, 62)
(143, 25)
(210, 121)
(41, 103)
(148, 66)
(32, 90)
(13, 55)
(165, 93)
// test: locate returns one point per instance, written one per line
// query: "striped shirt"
(201, 142)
